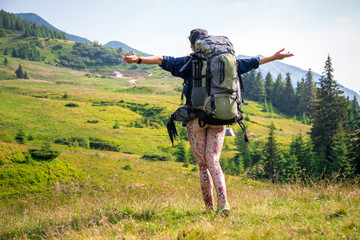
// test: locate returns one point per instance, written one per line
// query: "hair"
(195, 34)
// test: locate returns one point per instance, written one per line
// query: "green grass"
(93, 194)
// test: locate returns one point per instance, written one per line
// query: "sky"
(311, 29)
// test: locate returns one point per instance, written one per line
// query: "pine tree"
(248, 80)
(20, 136)
(328, 112)
(257, 92)
(302, 150)
(355, 153)
(341, 161)
(272, 155)
(290, 170)
(288, 97)
(14, 53)
(278, 89)
(6, 62)
(244, 150)
(309, 93)
(269, 85)
(354, 111)
(180, 152)
(19, 72)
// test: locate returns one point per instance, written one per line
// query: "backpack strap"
(242, 125)
(171, 130)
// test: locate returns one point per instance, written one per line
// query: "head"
(195, 34)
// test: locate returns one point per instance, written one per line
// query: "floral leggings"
(206, 143)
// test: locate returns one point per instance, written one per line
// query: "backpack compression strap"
(171, 130)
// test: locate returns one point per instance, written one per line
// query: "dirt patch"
(133, 81)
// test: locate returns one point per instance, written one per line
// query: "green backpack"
(216, 86)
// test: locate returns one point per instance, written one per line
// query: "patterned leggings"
(206, 143)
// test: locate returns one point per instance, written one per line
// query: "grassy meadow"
(93, 194)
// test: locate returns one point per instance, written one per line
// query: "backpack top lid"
(214, 45)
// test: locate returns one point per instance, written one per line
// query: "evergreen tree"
(328, 112)
(14, 53)
(302, 150)
(248, 80)
(269, 85)
(272, 155)
(354, 111)
(20, 136)
(341, 161)
(19, 72)
(6, 62)
(277, 92)
(355, 153)
(288, 97)
(308, 95)
(298, 97)
(180, 152)
(244, 151)
(290, 170)
(257, 91)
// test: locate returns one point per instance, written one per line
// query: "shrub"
(20, 157)
(92, 121)
(127, 167)
(72, 105)
(79, 141)
(156, 157)
(20, 136)
(2, 160)
(44, 153)
(101, 145)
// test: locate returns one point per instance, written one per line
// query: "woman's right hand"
(131, 59)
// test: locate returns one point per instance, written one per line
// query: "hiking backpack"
(214, 95)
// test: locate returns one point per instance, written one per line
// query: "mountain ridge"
(33, 17)
(125, 47)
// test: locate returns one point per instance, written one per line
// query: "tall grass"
(117, 195)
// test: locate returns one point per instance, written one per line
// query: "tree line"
(279, 93)
(11, 22)
(86, 55)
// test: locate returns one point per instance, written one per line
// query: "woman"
(206, 142)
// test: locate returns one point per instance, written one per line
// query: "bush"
(101, 145)
(72, 105)
(92, 121)
(44, 153)
(156, 157)
(127, 167)
(2, 160)
(20, 157)
(20, 136)
(74, 141)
